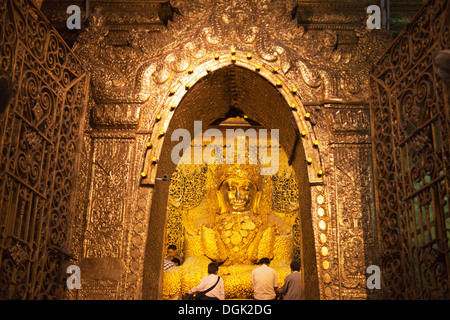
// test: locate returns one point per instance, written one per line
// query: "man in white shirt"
(168, 264)
(264, 281)
(218, 292)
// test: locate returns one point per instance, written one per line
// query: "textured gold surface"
(147, 75)
(411, 115)
(141, 68)
(43, 102)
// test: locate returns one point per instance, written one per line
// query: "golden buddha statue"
(236, 236)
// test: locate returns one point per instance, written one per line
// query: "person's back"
(292, 287)
(264, 281)
(212, 280)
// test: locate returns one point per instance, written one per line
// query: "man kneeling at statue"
(210, 288)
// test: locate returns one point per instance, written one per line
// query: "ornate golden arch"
(158, 160)
(139, 90)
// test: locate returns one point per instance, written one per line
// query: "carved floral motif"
(264, 27)
(411, 150)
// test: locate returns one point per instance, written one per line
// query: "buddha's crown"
(238, 171)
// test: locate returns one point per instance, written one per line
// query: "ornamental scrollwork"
(268, 28)
(39, 142)
(411, 155)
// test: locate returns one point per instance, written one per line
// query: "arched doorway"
(208, 100)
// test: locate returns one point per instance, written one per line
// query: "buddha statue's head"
(238, 192)
(237, 195)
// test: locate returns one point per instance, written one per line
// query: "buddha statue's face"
(237, 195)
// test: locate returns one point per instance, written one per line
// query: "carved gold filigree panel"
(39, 142)
(411, 156)
(105, 218)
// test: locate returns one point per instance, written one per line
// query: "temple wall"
(81, 179)
(123, 207)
